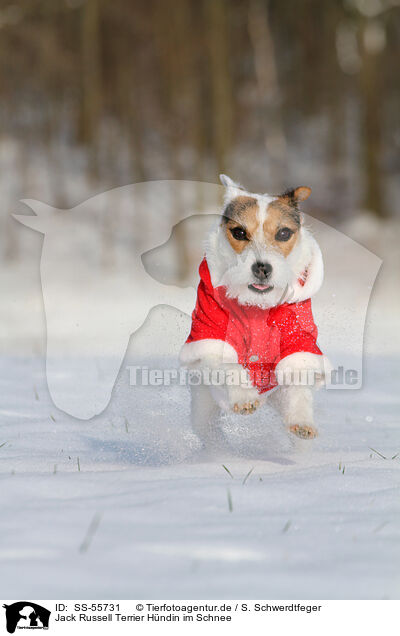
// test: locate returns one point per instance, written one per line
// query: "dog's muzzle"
(261, 271)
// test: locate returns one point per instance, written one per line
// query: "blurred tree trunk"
(172, 48)
(194, 68)
(269, 93)
(333, 102)
(91, 111)
(216, 14)
(129, 103)
(10, 230)
(91, 80)
(371, 102)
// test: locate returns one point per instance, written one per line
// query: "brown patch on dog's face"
(241, 221)
(280, 228)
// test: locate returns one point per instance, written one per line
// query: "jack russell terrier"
(253, 317)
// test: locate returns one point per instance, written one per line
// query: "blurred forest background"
(95, 94)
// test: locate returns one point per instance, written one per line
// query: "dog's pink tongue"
(261, 287)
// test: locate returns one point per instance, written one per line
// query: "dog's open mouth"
(260, 289)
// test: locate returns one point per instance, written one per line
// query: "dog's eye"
(239, 234)
(283, 234)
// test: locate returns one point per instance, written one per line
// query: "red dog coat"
(260, 337)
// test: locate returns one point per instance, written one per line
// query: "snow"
(313, 519)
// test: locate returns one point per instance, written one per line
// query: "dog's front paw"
(247, 408)
(239, 399)
(244, 400)
(305, 431)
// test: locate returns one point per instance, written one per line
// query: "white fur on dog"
(233, 271)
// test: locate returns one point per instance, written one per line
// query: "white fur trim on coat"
(307, 255)
(303, 368)
(210, 351)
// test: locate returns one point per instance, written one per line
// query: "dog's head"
(260, 250)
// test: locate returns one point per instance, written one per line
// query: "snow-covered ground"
(125, 505)
(312, 520)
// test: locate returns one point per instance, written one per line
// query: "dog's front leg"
(208, 400)
(209, 357)
(240, 397)
(296, 407)
(204, 412)
(299, 375)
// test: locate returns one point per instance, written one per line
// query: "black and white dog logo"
(26, 615)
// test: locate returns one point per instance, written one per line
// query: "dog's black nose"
(261, 270)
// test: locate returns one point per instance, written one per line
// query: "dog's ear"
(294, 196)
(228, 182)
(232, 189)
(301, 193)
